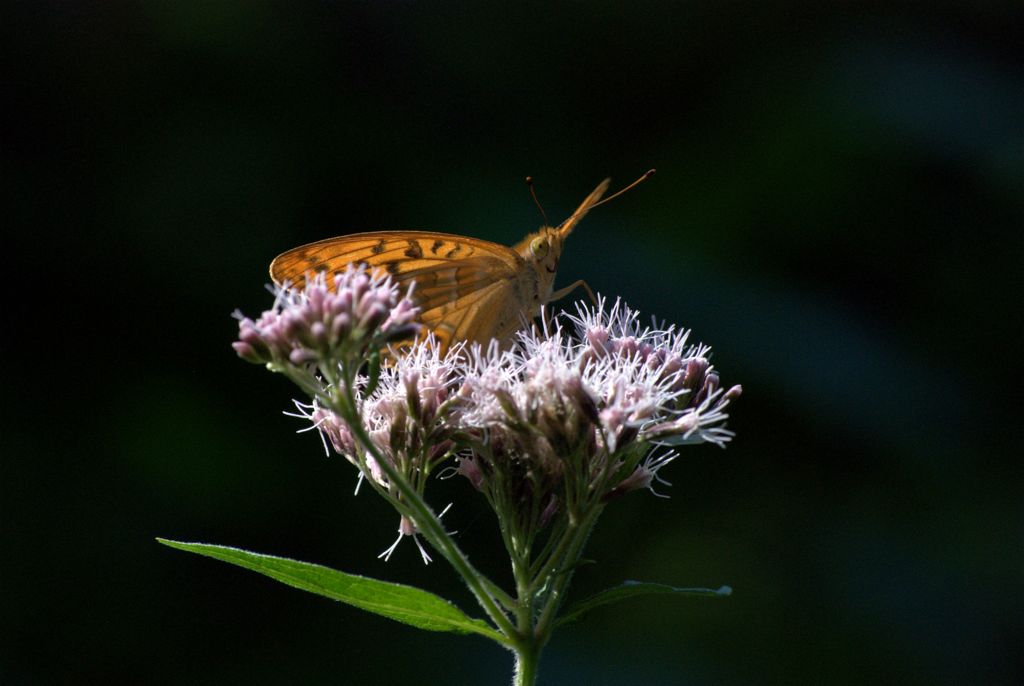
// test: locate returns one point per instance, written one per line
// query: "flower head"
(349, 313)
(560, 416)
(659, 382)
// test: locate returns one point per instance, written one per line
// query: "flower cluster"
(352, 312)
(404, 413)
(570, 418)
(559, 421)
(654, 380)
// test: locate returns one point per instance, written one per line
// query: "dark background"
(837, 210)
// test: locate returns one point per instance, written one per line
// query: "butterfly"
(467, 289)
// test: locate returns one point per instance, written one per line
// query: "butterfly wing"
(462, 284)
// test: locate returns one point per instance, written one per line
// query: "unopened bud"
(247, 352)
(471, 470)
(694, 376)
(318, 332)
(582, 399)
(406, 526)
(549, 511)
(340, 326)
(439, 451)
(374, 315)
(301, 356)
(412, 393)
(710, 386)
(508, 404)
(597, 337)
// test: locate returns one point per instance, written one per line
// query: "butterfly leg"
(561, 293)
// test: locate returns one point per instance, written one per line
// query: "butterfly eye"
(539, 247)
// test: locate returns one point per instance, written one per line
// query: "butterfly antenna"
(648, 174)
(533, 194)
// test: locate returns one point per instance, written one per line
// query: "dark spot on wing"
(435, 247)
(379, 248)
(451, 253)
(392, 268)
(414, 250)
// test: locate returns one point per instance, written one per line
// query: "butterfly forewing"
(467, 289)
(459, 280)
(398, 252)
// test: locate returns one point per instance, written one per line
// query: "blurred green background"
(838, 210)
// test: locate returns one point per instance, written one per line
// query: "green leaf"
(405, 604)
(629, 589)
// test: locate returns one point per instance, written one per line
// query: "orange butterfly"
(467, 289)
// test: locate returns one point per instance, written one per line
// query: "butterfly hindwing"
(478, 316)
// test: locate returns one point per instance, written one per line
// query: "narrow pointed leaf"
(406, 604)
(630, 589)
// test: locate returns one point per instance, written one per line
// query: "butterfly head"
(543, 249)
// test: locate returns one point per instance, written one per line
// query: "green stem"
(499, 594)
(562, 572)
(527, 658)
(424, 518)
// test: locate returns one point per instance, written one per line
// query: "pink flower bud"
(694, 377)
(246, 352)
(406, 526)
(548, 512)
(471, 470)
(301, 356)
(340, 326)
(597, 338)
